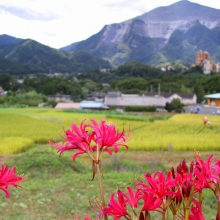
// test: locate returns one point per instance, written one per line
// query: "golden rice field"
(22, 128)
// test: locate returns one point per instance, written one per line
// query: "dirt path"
(5, 158)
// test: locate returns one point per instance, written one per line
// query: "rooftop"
(213, 96)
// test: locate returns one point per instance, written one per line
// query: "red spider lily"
(206, 175)
(196, 211)
(158, 184)
(182, 168)
(117, 209)
(106, 136)
(8, 179)
(186, 187)
(151, 202)
(80, 148)
(132, 198)
(77, 139)
(80, 134)
(90, 138)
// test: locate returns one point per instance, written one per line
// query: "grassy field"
(58, 186)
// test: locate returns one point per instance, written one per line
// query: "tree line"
(131, 77)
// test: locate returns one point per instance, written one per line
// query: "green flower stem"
(98, 166)
(186, 213)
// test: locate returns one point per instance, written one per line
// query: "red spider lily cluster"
(173, 192)
(177, 192)
(9, 179)
(93, 139)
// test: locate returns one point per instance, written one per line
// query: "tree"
(131, 85)
(175, 105)
(5, 80)
(199, 91)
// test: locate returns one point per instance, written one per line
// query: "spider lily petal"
(196, 211)
(151, 202)
(108, 136)
(9, 179)
(115, 208)
(158, 184)
(132, 197)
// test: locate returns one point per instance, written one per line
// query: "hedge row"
(140, 108)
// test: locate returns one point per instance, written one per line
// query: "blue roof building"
(93, 105)
(213, 99)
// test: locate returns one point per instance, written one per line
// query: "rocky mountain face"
(166, 34)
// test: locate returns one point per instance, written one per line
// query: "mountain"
(6, 39)
(166, 34)
(19, 56)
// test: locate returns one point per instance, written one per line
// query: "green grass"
(57, 186)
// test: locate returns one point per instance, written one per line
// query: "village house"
(120, 100)
(68, 105)
(96, 96)
(185, 98)
(213, 100)
(92, 105)
(60, 98)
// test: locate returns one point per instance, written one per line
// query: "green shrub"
(140, 108)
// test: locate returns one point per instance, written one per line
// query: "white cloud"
(58, 23)
(28, 14)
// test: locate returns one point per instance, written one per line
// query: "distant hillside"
(166, 34)
(29, 56)
(6, 39)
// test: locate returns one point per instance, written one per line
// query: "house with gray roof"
(159, 100)
(96, 96)
(121, 100)
(60, 98)
(185, 98)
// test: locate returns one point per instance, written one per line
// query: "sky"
(58, 23)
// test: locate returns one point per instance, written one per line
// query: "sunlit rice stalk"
(11, 145)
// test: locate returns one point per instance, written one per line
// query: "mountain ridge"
(30, 56)
(149, 33)
(163, 35)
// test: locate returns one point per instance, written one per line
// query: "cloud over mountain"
(29, 14)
